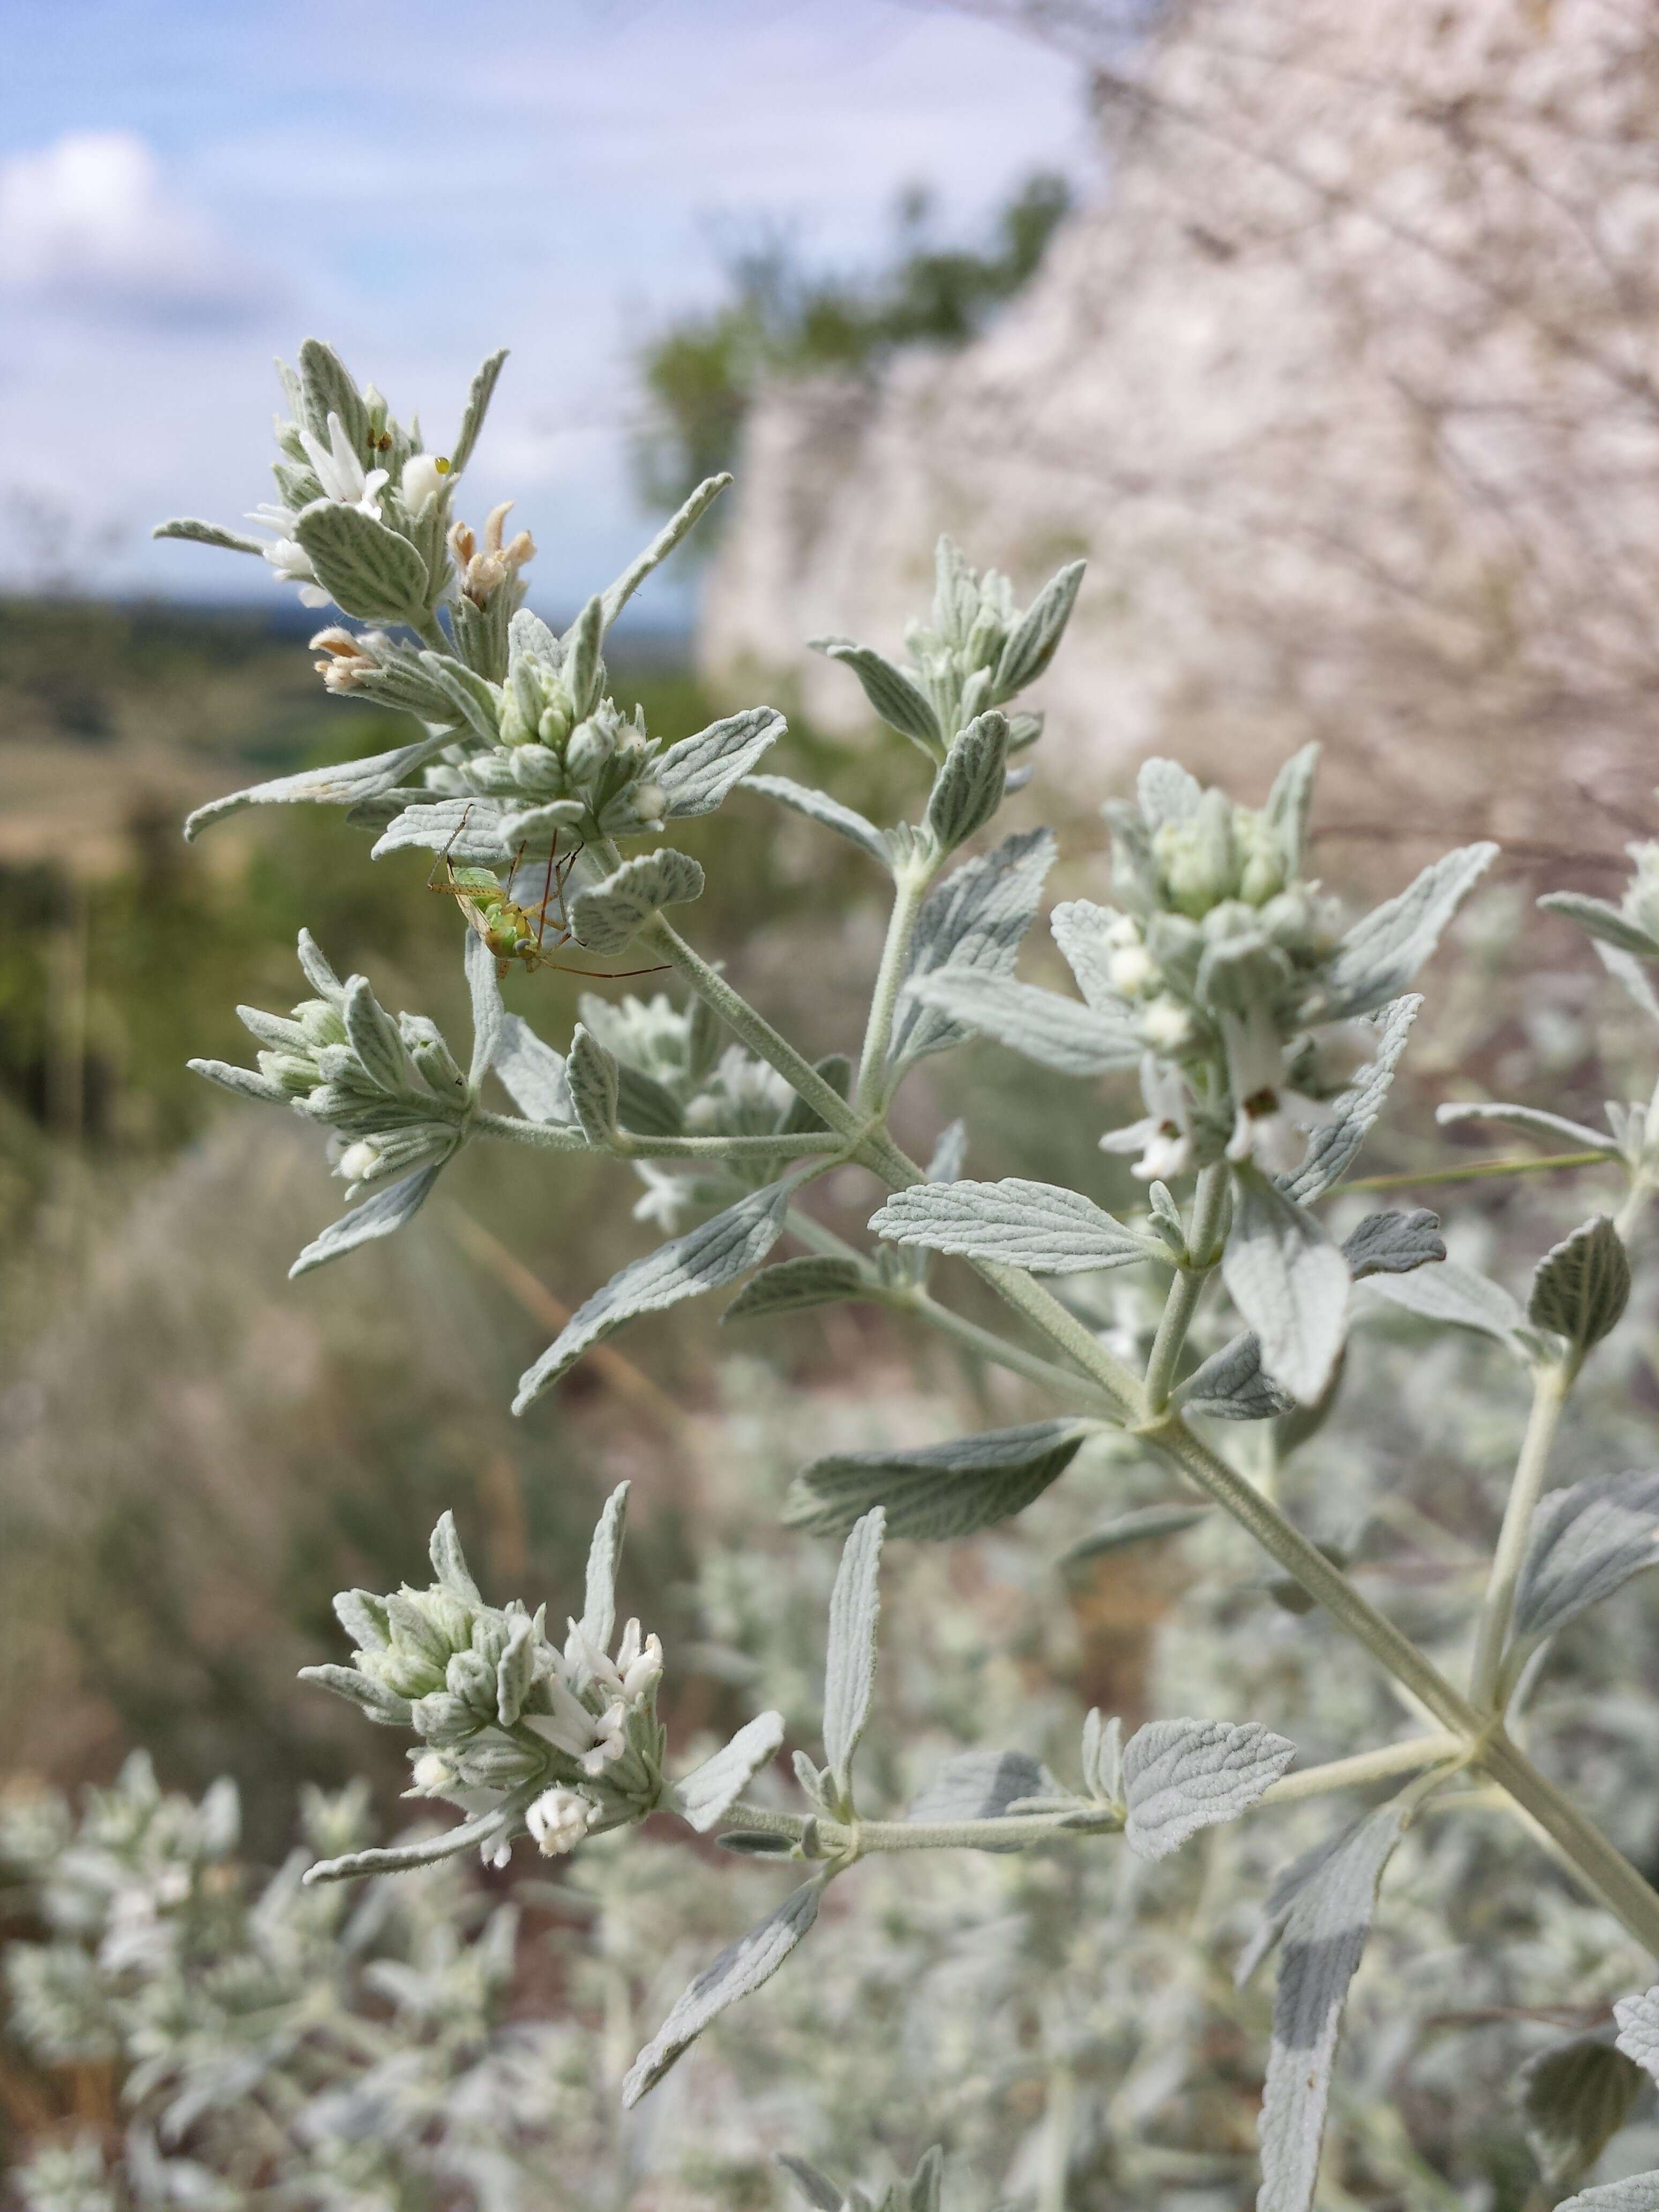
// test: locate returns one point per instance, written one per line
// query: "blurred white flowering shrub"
(1066, 2012)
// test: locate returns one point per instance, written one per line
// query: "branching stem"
(1549, 1395)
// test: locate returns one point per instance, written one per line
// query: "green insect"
(512, 931)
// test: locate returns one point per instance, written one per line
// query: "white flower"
(340, 472)
(1270, 1119)
(496, 1855)
(1164, 1138)
(1131, 971)
(359, 1162)
(432, 1772)
(558, 1820)
(1166, 1025)
(421, 481)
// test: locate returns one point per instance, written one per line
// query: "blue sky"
(188, 186)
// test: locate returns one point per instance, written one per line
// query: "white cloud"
(90, 222)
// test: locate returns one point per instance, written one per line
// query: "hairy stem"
(756, 1031)
(1599, 1863)
(1525, 1163)
(1365, 1767)
(989, 1346)
(911, 884)
(1549, 1395)
(1209, 1209)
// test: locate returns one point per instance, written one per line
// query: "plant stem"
(911, 887)
(1599, 1863)
(989, 1346)
(629, 1146)
(546, 1136)
(756, 1031)
(1549, 1395)
(1525, 1163)
(1209, 1208)
(1409, 1758)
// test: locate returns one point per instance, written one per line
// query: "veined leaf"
(1324, 1938)
(532, 1072)
(1582, 1285)
(608, 916)
(980, 1785)
(1182, 1776)
(593, 1078)
(1033, 640)
(1587, 1542)
(705, 1258)
(1394, 1243)
(1575, 2097)
(818, 806)
(367, 569)
(967, 789)
(1639, 2029)
(792, 1285)
(703, 1796)
(935, 1491)
(1385, 948)
(696, 774)
(346, 785)
(895, 698)
(1331, 1149)
(977, 918)
(1637, 2192)
(1289, 1281)
(617, 596)
(1039, 1226)
(378, 1216)
(603, 1558)
(1457, 1295)
(1057, 1032)
(740, 1970)
(850, 1668)
(1597, 919)
(1537, 1124)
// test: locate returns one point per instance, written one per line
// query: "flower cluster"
(1234, 972)
(524, 1735)
(978, 651)
(396, 1103)
(566, 753)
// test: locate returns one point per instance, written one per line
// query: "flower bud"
(558, 1820)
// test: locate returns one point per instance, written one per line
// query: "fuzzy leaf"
(792, 1285)
(1394, 1243)
(1385, 948)
(1457, 1295)
(532, 1073)
(816, 2188)
(738, 1973)
(1290, 1283)
(449, 1562)
(1631, 977)
(979, 1785)
(593, 1079)
(818, 806)
(345, 784)
(479, 395)
(515, 1670)
(378, 1216)
(1574, 2099)
(484, 990)
(616, 595)
(598, 1620)
(1587, 1542)
(935, 1491)
(1597, 919)
(367, 569)
(208, 533)
(977, 918)
(967, 790)
(328, 387)
(696, 774)
(1182, 1776)
(399, 1858)
(1331, 1149)
(1166, 792)
(849, 1666)
(245, 1082)
(898, 701)
(1537, 1124)
(1147, 1524)
(607, 918)
(469, 832)
(1582, 1285)
(1324, 1938)
(373, 1700)
(705, 1258)
(1637, 2192)
(1038, 1225)
(1639, 2029)
(703, 1797)
(1288, 804)
(1057, 1032)
(1033, 641)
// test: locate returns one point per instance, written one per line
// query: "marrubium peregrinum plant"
(1262, 1023)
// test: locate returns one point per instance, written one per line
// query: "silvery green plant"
(1263, 1025)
